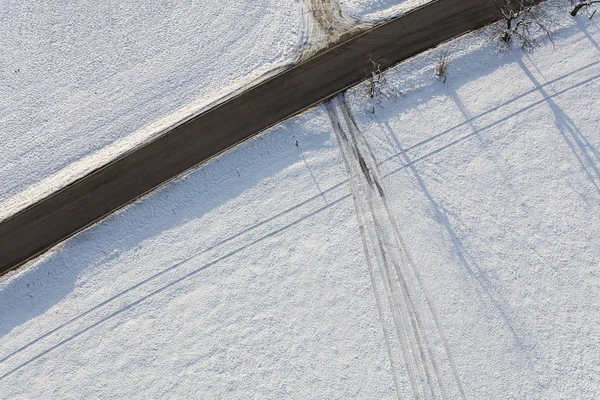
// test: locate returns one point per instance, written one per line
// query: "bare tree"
(376, 81)
(584, 4)
(378, 86)
(521, 23)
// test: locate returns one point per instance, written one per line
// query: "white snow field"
(83, 82)
(445, 244)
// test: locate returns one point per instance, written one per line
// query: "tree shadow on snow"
(490, 292)
(583, 150)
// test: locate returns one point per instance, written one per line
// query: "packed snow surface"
(276, 269)
(376, 10)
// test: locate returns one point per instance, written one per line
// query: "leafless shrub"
(521, 23)
(584, 4)
(441, 69)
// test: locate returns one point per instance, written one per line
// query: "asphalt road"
(79, 205)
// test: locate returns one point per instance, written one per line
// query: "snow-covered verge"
(81, 83)
(249, 277)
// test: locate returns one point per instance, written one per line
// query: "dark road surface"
(77, 206)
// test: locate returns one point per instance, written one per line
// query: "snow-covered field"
(81, 84)
(276, 269)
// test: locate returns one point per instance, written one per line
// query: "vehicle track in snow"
(404, 307)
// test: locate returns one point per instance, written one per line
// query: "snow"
(83, 83)
(248, 277)
(265, 335)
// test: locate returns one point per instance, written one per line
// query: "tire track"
(414, 322)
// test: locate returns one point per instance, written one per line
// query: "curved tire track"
(328, 24)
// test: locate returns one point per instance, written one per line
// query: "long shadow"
(470, 121)
(583, 27)
(481, 129)
(489, 292)
(584, 151)
(149, 295)
(39, 287)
